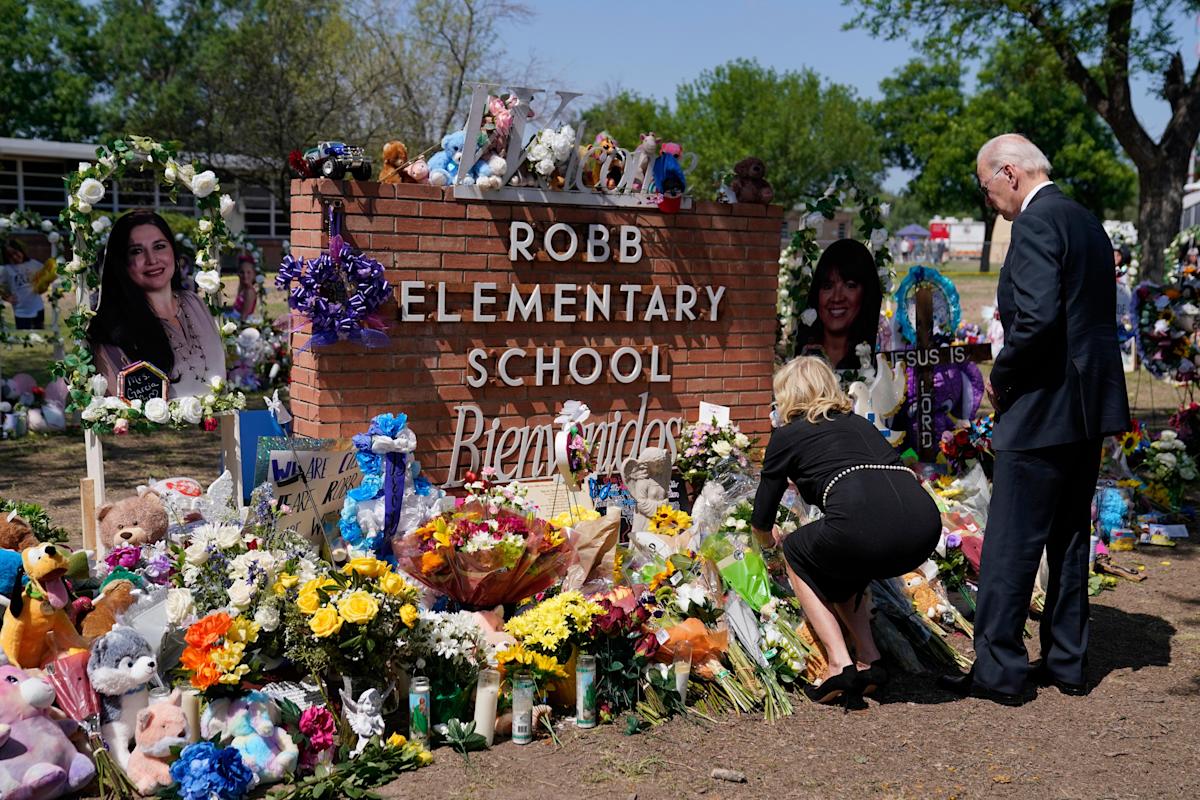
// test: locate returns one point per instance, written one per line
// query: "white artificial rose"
(84, 208)
(722, 448)
(1168, 436)
(98, 385)
(91, 191)
(249, 337)
(180, 606)
(47, 225)
(227, 205)
(216, 381)
(229, 328)
(240, 595)
(186, 173)
(108, 162)
(190, 410)
(228, 536)
(742, 440)
(101, 224)
(94, 410)
(74, 265)
(267, 618)
(169, 172)
(114, 403)
(84, 166)
(135, 404)
(204, 184)
(204, 225)
(53, 236)
(545, 167)
(1168, 460)
(808, 317)
(196, 553)
(157, 410)
(209, 281)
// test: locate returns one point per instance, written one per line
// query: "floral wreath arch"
(1177, 250)
(799, 259)
(89, 233)
(34, 222)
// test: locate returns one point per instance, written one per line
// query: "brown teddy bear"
(15, 533)
(750, 182)
(925, 598)
(115, 600)
(133, 521)
(396, 167)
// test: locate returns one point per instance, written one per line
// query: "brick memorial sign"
(503, 311)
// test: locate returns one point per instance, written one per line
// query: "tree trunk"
(1160, 206)
(985, 256)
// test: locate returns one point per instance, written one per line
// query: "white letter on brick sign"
(585, 380)
(548, 242)
(597, 243)
(657, 309)
(597, 302)
(520, 236)
(442, 314)
(482, 300)
(411, 292)
(655, 375)
(545, 367)
(629, 377)
(474, 360)
(714, 300)
(532, 306)
(502, 366)
(461, 443)
(684, 307)
(631, 244)
(562, 301)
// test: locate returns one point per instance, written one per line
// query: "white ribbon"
(572, 412)
(277, 409)
(404, 442)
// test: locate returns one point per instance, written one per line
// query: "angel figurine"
(364, 715)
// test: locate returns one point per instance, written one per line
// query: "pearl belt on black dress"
(848, 470)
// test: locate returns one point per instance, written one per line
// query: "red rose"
(210, 424)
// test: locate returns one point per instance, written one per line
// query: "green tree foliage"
(626, 115)
(1099, 45)
(930, 126)
(48, 53)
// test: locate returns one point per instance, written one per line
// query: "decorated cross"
(927, 356)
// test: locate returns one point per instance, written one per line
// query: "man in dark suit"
(1059, 388)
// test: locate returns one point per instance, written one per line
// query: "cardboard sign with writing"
(713, 413)
(313, 484)
(143, 381)
(552, 497)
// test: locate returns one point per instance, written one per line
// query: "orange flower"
(206, 676)
(432, 561)
(193, 658)
(204, 633)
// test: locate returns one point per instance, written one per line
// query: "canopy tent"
(914, 230)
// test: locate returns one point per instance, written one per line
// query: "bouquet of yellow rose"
(215, 657)
(353, 622)
(490, 549)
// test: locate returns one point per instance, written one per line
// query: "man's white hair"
(1015, 149)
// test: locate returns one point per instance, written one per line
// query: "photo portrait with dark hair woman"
(846, 296)
(18, 279)
(146, 315)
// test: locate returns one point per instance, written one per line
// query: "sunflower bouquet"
(352, 622)
(491, 549)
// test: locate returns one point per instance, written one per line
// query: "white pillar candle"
(190, 702)
(487, 693)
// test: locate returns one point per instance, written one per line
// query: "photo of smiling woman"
(846, 296)
(146, 315)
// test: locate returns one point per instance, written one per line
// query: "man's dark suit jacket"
(1059, 377)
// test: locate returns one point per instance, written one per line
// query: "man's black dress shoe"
(963, 685)
(1040, 676)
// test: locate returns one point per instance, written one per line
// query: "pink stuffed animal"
(37, 760)
(159, 728)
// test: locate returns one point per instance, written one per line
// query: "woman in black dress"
(878, 521)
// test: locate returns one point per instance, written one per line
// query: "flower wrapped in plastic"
(490, 549)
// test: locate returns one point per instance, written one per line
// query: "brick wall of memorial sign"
(503, 311)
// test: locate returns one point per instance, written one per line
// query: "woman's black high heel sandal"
(872, 678)
(835, 687)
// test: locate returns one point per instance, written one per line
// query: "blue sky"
(650, 47)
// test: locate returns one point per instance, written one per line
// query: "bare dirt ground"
(1137, 735)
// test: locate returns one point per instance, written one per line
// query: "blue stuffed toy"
(443, 167)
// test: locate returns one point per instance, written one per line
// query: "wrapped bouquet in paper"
(741, 565)
(572, 450)
(489, 550)
(394, 496)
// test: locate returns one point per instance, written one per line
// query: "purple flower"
(953, 540)
(126, 557)
(158, 569)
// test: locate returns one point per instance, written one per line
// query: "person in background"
(146, 315)
(846, 296)
(247, 291)
(878, 521)
(17, 286)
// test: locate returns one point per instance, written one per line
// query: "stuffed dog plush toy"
(38, 609)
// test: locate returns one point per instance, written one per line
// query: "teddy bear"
(486, 173)
(120, 667)
(133, 521)
(250, 724)
(37, 760)
(750, 184)
(15, 532)
(106, 608)
(924, 596)
(396, 167)
(159, 728)
(605, 147)
(36, 622)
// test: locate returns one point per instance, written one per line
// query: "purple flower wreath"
(338, 292)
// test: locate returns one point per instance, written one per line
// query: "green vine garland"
(799, 259)
(32, 221)
(85, 189)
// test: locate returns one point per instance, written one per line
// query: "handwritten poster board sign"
(313, 484)
(553, 497)
(143, 381)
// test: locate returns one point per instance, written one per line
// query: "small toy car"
(335, 159)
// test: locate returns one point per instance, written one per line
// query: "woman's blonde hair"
(806, 385)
